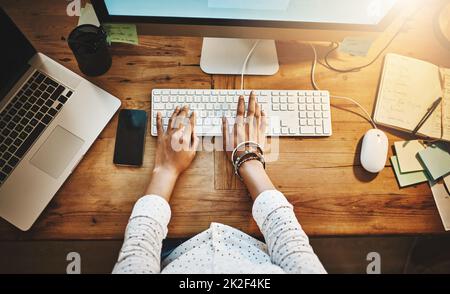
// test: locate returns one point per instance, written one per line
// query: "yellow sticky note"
(407, 155)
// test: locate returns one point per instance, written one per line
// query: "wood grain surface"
(322, 178)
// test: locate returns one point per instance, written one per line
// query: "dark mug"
(90, 46)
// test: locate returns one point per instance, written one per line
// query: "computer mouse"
(374, 151)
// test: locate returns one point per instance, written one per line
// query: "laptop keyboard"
(26, 117)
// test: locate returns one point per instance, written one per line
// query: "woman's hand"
(250, 128)
(175, 151)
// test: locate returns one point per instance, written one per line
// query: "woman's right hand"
(248, 128)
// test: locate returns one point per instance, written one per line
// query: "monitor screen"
(352, 12)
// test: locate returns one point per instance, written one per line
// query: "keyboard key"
(7, 169)
(51, 82)
(33, 122)
(307, 130)
(52, 112)
(57, 93)
(47, 119)
(38, 115)
(30, 140)
(39, 78)
(7, 155)
(13, 135)
(49, 103)
(40, 102)
(35, 108)
(13, 161)
(23, 135)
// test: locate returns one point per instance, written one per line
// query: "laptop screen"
(15, 52)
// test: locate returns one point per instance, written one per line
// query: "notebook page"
(445, 77)
(432, 128)
(408, 88)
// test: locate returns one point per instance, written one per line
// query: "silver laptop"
(49, 117)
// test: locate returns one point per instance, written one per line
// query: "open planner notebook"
(408, 88)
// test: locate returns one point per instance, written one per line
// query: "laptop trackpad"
(57, 152)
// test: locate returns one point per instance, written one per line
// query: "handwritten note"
(356, 46)
(117, 33)
(122, 33)
(408, 88)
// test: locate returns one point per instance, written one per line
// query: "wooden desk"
(323, 178)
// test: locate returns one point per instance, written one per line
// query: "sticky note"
(436, 160)
(442, 199)
(122, 33)
(356, 46)
(407, 155)
(407, 179)
(88, 16)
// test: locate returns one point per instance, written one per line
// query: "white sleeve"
(287, 243)
(146, 229)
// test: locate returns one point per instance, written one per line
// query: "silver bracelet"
(250, 143)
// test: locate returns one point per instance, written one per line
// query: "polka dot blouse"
(220, 249)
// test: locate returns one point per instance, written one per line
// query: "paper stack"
(416, 163)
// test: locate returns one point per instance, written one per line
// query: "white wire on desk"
(244, 66)
(316, 87)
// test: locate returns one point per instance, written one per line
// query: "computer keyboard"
(26, 117)
(290, 113)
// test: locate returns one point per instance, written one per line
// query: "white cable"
(244, 66)
(316, 87)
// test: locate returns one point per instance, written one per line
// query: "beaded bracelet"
(248, 156)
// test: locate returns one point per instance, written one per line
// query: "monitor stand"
(227, 56)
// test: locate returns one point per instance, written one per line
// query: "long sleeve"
(287, 243)
(146, 229)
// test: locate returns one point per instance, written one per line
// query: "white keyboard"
(290, 113)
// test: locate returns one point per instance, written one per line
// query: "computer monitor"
(230, 27)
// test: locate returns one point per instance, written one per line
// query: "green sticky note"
(436, 160)
(407, 179)
(407, 155)
(122, 33)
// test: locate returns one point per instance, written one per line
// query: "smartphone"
(130, 137)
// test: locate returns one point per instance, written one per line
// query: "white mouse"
(374, 151)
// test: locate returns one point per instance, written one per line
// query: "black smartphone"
(130, 137)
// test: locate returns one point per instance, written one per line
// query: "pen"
(427, 115)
